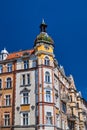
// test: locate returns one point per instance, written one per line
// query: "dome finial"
(43, 26)
(43, 21)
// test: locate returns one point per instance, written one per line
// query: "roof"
(43, 36)
(18, 54)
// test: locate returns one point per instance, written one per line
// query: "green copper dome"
(43, 36)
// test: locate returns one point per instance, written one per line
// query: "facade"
(35, 93)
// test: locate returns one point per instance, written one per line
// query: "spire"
(43, 26)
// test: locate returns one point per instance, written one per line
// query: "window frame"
(46, 61)
(9, 67)
(6, 119)
(8, 83)
(49, 118)
(47, 77)
(1, 69)
(48, 96)
(8, 100)
(26, 64)
(25, 98)
(0, 83)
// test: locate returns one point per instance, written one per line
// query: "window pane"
(26, 64)
(6, 119)
(1, 69)
(8, 83)
(9, 67)
(28, 78)
(0, 83)
(25, 118)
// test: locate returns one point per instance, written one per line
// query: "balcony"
(65, 97)
(71, 117)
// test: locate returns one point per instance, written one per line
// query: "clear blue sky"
(67, 24)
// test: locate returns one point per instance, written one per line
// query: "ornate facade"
(35, 93)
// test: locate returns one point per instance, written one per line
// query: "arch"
(46, 61)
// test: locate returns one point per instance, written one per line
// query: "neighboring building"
(35, 93)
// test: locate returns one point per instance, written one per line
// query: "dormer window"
(46, 61)
(26, 64)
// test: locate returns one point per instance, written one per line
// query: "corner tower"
(44, 45)
(44, 51)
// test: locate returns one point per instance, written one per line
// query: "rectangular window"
(1, 68)
(25, 118)
(28, 79)
(9, 67)
(49, 118)
(48, 96)
(26, 64)
(6, 120)
(25, 98)
(34, 63)
(8, 100)
(64, 107)
(23, 79)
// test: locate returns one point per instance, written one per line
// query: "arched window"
(46, 61)
(0, 83)
(8, 83)
(47, 76)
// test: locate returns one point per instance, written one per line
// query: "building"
(35, 93)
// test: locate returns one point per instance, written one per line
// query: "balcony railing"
(65, 97)
(71, 117)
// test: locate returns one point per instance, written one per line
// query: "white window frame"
(9, 83)
(0, 83)
(7, 100)
(49, 118)
(47, 77)
(48, 95)
(1, 68)
(9, 67)
(26, 98)
(6, 119)
(28, 119)
(47, 61)
(26, 64)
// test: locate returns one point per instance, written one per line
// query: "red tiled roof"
(19, 54)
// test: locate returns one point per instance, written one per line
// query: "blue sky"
(67, 24)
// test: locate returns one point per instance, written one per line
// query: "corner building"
(35, 93)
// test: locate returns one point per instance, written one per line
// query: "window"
(25, 119)
(49, 118)
(7, 100)
(6, 120)
(1, 69)
(64, 107)
(25, 98)
(47, 77)
(0, 83)
(46, 61)
(48, 96)
(26, 64)
(28, 79)
(33, 63)
(23, 79)
(8, 83)
(9, 67)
